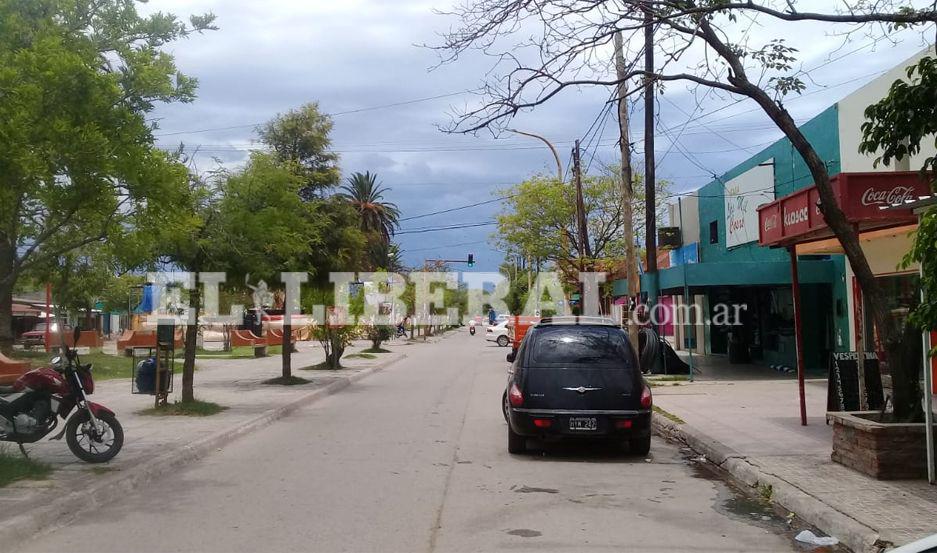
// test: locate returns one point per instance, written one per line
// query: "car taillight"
(543, 423)
(625, 423)
(646, 400)
(515, 396)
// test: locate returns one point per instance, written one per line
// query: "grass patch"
(361, 355)
(291, 381)
(237, 352)
(668, 415)
(766, 492)
(106, 367)
(375, 350)
(195, 408)
(13, 467)
(654, 384)
(669, 378)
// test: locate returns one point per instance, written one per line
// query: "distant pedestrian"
(492, 317)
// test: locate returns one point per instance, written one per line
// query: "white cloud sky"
(272, 56)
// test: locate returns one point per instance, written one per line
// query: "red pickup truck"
(37, 336)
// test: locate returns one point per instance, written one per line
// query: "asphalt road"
(414, 459)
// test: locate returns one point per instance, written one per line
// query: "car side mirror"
(511, 357)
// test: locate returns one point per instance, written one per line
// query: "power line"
(450, 227)
(461, 207)
(334, 114)
(443, 246)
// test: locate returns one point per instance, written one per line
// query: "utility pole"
(627, 186)
(585, 251)
(650, 180)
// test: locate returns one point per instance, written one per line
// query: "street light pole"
(556, 154)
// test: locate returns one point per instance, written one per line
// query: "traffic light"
(471, 260)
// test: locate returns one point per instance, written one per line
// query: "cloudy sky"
(355, 55)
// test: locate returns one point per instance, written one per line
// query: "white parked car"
(498, 333)
(926, 545)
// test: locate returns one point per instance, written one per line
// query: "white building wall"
(852, 115)
(690, 227)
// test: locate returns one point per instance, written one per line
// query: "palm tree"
(364, 193)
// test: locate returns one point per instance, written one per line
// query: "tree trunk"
(7, 280)
(6, 319)
(287, 353)
(907, 406)
(191, 339)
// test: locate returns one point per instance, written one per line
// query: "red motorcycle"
(31, 408)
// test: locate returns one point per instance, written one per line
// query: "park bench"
(11, 369)
(246, 338)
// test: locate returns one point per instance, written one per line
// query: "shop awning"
(796, 218)
(23, 310)
(773, 273)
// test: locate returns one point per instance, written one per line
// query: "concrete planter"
(884, 450)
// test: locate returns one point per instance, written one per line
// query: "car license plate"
(583, 423)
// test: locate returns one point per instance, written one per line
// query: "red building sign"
(796, 218)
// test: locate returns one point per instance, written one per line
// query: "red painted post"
(48, 318)
(798, 334)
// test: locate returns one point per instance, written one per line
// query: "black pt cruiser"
(577, 377)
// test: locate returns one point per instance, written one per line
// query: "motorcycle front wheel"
(93, 446)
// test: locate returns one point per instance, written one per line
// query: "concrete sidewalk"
(752, 430)
(156, 445)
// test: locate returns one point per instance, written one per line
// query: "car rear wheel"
(505, 406)
(516, 443)
(640, 446)
(503, 341)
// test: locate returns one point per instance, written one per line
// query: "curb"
(855, 535)
(64, 509)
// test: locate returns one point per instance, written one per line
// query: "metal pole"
(686, 287)
(556, 155)
(928, 390)
(798, 334)
(928, 406)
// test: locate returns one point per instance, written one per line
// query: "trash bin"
(146, 376)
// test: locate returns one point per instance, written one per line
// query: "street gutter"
(849, 531)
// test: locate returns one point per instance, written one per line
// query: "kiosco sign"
(797, 217)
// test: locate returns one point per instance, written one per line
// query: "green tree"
(268, 227)
(897, 127)
(82, 277)
(379, 219)
(364, 193)
(196, 243)
(538, 220)
(77, 158)
(301, 136)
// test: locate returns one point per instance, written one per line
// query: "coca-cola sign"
(771, 222)
(882, 196)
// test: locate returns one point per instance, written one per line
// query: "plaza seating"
(11, 369)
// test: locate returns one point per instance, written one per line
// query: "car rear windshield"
(580, 346)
